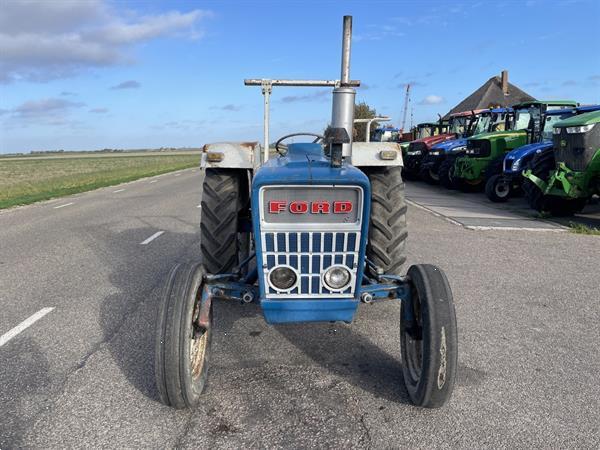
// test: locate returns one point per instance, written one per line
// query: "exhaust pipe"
(342, 113)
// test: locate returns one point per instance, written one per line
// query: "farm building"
(495, 92)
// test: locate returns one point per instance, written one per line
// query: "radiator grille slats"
(310, 253)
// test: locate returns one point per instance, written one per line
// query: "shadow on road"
(128, 320)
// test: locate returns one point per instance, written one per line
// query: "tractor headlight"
(435, 153)
(516, 165)
(414, 153)
(470, 151)
(460, 148)
(337, 278)
(556, 130)
(283, 278)
(581, 129)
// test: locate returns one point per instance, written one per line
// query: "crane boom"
(406, 100)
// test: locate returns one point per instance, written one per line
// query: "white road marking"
(153, 181)
(118, 190)
(62, 206)
(24, 325)
(151, 238)
(489, 228)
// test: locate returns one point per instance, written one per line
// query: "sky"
(87, 75)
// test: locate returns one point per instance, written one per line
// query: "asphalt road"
(82, 375)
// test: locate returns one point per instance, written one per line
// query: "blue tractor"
(500, 187)
(308, 230)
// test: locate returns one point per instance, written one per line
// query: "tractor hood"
(451, 145)
(306, 164)
(528, 149)
(508, 136)
(580, 120)
(433, 140)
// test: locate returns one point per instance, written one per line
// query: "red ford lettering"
(342, 207)
(316, 207)
(299, 207)
(276, 206)
(320, 207)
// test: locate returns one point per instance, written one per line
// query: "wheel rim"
(501, 190)
(434, 175)
(198, 345)
(414, 346)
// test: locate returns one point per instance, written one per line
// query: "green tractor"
(561, 181)
(485, 152)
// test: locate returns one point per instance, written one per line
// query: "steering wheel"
(318, 137)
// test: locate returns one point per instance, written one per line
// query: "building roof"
(490, 95)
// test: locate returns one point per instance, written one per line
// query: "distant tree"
(361, 111)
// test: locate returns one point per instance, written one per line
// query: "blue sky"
(94, 74)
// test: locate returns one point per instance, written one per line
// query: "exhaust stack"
(342, 113)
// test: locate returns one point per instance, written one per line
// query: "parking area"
(475, 211)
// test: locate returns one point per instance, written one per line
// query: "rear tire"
(221, 204)
(497, 189)
(387, 227)
(182, 350)
(561, 207)
(429, 341)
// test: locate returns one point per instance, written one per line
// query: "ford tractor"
(485, 152)
(500, 187)
(458, 126)
(561, 182)
(482, 121)
(308, 232)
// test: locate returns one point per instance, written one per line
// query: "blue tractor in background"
(500, 187)
(308, 230)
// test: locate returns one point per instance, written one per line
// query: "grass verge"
(26, 181)
(579, 228)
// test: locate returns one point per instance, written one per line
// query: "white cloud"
(46, 111)
(42, 40)
(432, 100)
(129, 84)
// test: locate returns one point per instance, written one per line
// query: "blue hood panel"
(450, 145)
(528, 150)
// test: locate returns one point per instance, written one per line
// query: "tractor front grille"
(310, 254)
(480, 147)
(309, 241)
(576, 150)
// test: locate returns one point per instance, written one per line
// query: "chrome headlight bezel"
(580, 129)
(337, 286)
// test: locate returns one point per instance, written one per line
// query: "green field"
(30, 179)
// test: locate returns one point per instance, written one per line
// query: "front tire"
(446, 173)
(182, 350)
(497, 189)
(428, 337)
(429, 175)
(387, 227)
(541, 165)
